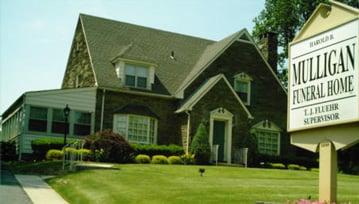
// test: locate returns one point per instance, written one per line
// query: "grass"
(135, 183)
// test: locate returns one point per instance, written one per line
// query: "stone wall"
(221, 96)
(169, 130)
(79, 66)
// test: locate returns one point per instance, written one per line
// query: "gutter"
(102, 108)
(188, 130)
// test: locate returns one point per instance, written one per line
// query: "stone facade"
(268, 99)
(221, 96)
(79, 71)
(168, 131)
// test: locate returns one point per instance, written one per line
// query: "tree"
(200, 145)
(286, 17)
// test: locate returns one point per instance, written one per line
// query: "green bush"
(200, 145)
(277, 166)
(54, 154)
(109, 147)
(86, 154)
(150, 150)
(175, 160)
(8, 151)
(296, 167)
(159, 159)
(188, 158)
(42, 145)
(142, 159)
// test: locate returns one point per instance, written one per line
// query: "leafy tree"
(200, 145)
(286, 17)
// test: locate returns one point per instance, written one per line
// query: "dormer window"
(242, 85)
(136, 76)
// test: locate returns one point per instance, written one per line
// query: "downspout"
(188, 130)
(102, 108)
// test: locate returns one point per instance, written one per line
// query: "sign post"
(323, 88)
(328, 172)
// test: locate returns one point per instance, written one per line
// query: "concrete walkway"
(38, 190)
(10, 190)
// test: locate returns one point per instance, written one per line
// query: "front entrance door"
(218, 137)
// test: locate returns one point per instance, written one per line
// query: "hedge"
(175, 160)
(42, 145)
(142, 159)
(151, 150)
(54, 154)
(159, 159)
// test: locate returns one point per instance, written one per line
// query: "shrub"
(42, 145)
(54, 154)
(110, 147)
(142, 159)
(175, 160)
(200, 145)
(150, 150)
(277, 166)
(86, 154)
(296, 167)
(188, 158)
(159, 159)
(8, 151)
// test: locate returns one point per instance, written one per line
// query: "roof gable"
(204, 89)
(325, 17)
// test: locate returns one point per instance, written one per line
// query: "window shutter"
(120, 72)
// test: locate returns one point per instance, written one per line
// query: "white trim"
(127, 116)
(88, 51)
(244, 78)
(220, 76)
(221, 114)
(140, 93)
(180, 91)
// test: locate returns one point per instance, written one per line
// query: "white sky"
(36, 35)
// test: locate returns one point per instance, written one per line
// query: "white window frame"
(271, 132)
(243, 78)
(269, 127)
(127, 116)
(136, 66)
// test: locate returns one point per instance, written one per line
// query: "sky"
(36, 35)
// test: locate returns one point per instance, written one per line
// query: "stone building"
(155, 87)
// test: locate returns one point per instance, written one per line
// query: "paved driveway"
(10, 189)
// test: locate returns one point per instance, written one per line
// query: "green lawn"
(135, 183)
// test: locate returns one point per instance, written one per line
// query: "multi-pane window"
(136, 76)
(82, 123)
(59, 124)
(268, 142)
(136, 128)
(38, 119)
(242, 85)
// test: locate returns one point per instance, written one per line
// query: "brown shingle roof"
(108, 39)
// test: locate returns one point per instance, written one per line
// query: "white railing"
(71, 157)
(215, 153)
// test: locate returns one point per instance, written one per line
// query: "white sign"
(323, 85)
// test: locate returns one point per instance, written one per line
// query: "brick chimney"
(268, 45)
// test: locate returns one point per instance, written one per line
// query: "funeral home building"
(156, 87)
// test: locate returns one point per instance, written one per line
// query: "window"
(268, 142)
(136, 76)
(268, 137)
(38, 119)
(136, 128)
(58, 122)
(82, 125)
(242, 85)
